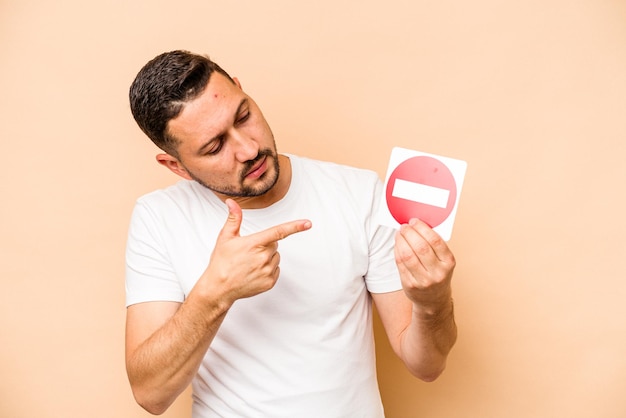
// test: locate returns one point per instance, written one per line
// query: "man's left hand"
(425, 264)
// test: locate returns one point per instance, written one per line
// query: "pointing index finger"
(282, 231)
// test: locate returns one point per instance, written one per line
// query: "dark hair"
(161, 89)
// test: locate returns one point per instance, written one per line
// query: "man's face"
(224, 142)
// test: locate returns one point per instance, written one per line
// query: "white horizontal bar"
(421, 193)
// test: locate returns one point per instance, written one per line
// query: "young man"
(211, 300)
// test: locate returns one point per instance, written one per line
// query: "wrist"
(210, 299)
(434, 311)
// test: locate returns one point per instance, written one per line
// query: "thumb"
(233, 222)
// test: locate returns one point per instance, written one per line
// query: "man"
(212, 302)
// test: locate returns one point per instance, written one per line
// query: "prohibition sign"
(421, 187)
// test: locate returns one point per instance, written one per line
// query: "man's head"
(211, 131)
(162, 88)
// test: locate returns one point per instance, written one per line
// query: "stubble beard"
(263, 185)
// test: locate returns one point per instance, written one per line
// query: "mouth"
(258, 169)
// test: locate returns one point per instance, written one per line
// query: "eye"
(243, 116)
(215, 146)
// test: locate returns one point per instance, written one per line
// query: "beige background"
(532, 94)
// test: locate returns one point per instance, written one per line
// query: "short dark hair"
(161, 89)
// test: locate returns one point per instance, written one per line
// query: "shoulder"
(357, 189)
(183, 195)
(183, 200)
(320, 170)
(175, 192)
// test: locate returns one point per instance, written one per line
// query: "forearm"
(428, 339)
(163, 365)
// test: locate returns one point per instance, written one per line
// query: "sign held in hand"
(423, 186)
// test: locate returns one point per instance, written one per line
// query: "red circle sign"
(421, 187)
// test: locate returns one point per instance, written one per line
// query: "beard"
(261, 186)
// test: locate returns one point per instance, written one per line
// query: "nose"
(245, 147)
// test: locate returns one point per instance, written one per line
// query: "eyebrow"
(242, 103)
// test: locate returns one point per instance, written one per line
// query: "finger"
(282, 231)
(276, 260)
(405, 254)
(414, 239)
(414, 271)
(414, 250)
(233, 222)
(415, 255)
(437, 245)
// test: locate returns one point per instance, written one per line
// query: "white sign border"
(458, 169)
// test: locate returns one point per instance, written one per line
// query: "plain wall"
(532, 94)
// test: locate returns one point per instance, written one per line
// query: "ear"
(173, 164)
(236, 80)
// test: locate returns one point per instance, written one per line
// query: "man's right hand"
(244, 266)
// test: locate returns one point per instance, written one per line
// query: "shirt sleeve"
(382, 275)
(149, 273)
